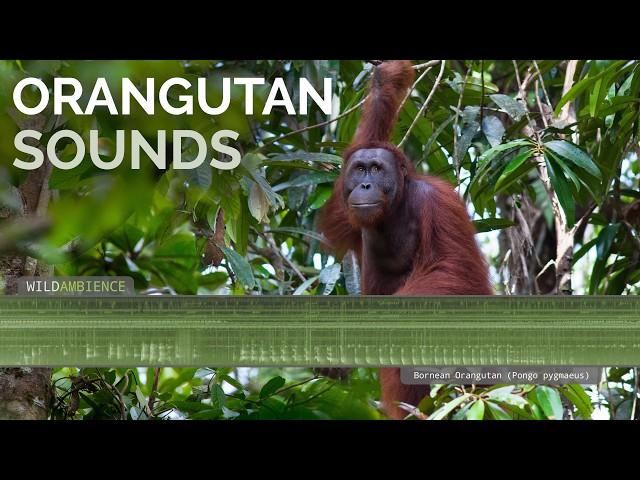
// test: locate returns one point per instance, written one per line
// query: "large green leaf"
(605, 240)
(489, 224)
(578, 397)
(271, 387)
(561, 187)
(575, 155)
(476, 412)
(583, 250)
(448, 407)
(490, 154)
(549, 400)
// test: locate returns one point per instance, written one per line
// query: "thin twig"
(436, 84)
(413, 87)
(428, 64)
(540, 107)
(544, 88)
(524, 84)
(274, 248)
(116, 394)
(515, 67)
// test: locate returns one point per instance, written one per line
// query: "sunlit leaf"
(549, 400)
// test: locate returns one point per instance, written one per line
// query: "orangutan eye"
(375, 169)
(361, 168)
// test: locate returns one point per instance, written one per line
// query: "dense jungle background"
(545, 153)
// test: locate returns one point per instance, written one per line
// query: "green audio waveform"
(319, 331)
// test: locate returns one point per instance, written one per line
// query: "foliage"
(493, 128)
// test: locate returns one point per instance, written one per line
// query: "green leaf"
(271, 387)
(549, 400)
(537, 412)
(320, 197)
(241, 228)
(179, 249)
(575, 155)
(476, 412)
(240, 267)
(190, 407)
(513, 108)
(578, 397)
(305, 285)
(307, 157)
(200, 177)
(489, 224)
(218, 398)
(493, 129)
(312, 178)
(461, 414)
(583, 250)
(213, 280)
(499, 394)
(497, 411)
(561, 187)
(251, 165)
(514, 170)
(209, 414)
(487, 156)
(448, 407)
(464, 142)
(583, 84)
(436, 134)
(594, 97)
(605, 240)
(597, 273)
(69, 179)
(231, 203)
(566, 170)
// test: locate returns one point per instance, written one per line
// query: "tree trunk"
(25, 392)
